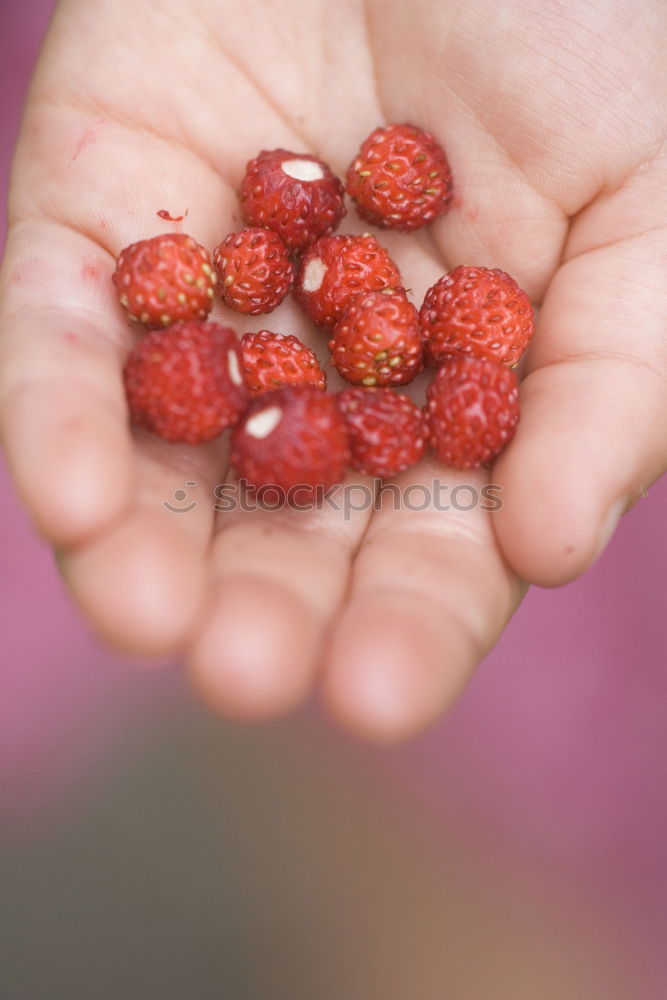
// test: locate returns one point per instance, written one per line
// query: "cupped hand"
(554, 120)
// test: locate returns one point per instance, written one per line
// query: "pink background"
(555, 756)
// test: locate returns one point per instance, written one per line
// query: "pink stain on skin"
(87, 137)
(90, 270)
(28, 272)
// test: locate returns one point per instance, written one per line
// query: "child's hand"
(554, 120)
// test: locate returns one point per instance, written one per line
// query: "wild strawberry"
(295, 194)
(254, 271)
(387, 431)
(472, 411)
(164, 280)
(273, 360)
(185, 383)
(337, 268)
(294, 440)
(477, 311)
(377, 340)
(400, 178)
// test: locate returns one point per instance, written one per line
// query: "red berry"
(477, 311)
(254, 271)
(164, 280)
(294, 440)
(295, 194)
(400, 178)
(377, 340)
(337, 268)
(387, 431)
(185, 383)
(273, 360)
(472, 411)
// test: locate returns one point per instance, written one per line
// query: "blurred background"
(518, 850)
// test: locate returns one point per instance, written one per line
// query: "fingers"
(593, 432)
(429, 595)
(64, 425)
(141, 580)
(136, 569)
(98, 494)
(279, 577)
(62, 408)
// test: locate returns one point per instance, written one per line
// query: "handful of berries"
(189, 379)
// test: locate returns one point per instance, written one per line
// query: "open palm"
(553, 118)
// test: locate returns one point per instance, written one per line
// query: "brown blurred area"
(211, 861)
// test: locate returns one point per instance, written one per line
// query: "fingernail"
(609, 524)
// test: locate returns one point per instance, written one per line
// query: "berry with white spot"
(377, 340)
(164, 280)
(185, 383)
(293, 441)
(400, 178)
(273, 360)
(472, 410)
(335, 269)
(254, 271)
(294, 194)
(477, 311)
(387, 431)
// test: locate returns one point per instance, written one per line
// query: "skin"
(554, 117)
